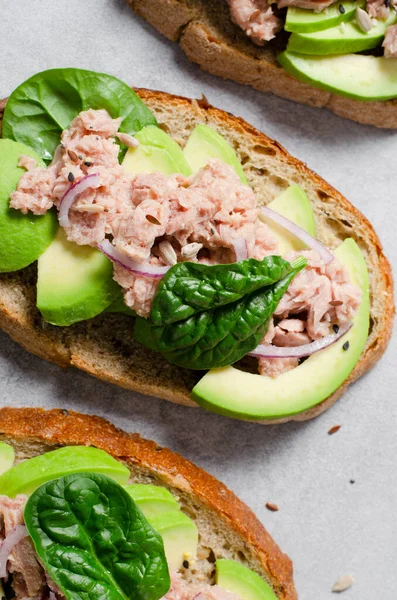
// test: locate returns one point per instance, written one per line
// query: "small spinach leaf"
(221, 336)
(94, 542)
(189, 287)
(43, 106)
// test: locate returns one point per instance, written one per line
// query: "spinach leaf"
(94, 542)
(188, 287)
(221, 336)
(43, 106)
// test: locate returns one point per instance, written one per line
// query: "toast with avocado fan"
(206, 33)
(227, 528)
(104, 347)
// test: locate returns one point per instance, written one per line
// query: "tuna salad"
(149, 223)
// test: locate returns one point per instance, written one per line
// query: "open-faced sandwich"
(88, 512)
(172, 249)
(339, 54)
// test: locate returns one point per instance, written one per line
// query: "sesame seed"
(342, 9)
(335, 327)
(272, 507)
(346, 346)
(71, 177)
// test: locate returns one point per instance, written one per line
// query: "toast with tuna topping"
(227, 528)
(104, 346)
(206, 33)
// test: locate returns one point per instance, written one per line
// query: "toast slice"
(104, 346)
(206, 33)
(227, 527)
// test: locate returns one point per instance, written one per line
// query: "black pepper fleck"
(71, 177)
(346, 346)
(352, 481)
(342, 9)
(185, 564)
(88, 163)
(335, 328)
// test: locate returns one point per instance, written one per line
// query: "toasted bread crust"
(103, 347)
(48, 429)
(210, 39)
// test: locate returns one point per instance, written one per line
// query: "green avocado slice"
(153, 500)
(293, 204)
(7, 457)
(355, 76)
(74, 283)
(28, 475)
(239, 394)
(238, 579)
(340, 39)
(205, 143)
(157, 152)
(23, 238)
(180, 536)
(301, 20)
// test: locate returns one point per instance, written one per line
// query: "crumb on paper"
(343, 584)
(271, 506)
(334, 429)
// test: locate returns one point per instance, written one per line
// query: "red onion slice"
(131, 265)
(300, 233)
(270, 351)
(13, 538)
(240, 248)
(87, 182)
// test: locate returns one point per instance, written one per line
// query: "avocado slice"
(153, 500)
(157, 152)
(23, 238)
(28, 475)
(180, 536)
(7, 457)
(301, 20)
(340, 40)
(205, 143)
(239, 394)
(74, 283)
(293, 204)
(246, 584)
(355, 76)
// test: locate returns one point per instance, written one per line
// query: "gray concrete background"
(329, 526)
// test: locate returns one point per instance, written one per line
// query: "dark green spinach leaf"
(189, 288)
(43, 106)
(217, 337)
(94, 542)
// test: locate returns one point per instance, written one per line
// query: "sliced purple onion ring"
(240, 249)
(300, 233)
(13, 538)
(133, 266)
(87, 182)
(270, 351)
